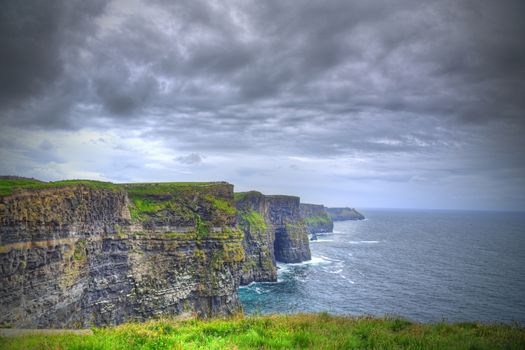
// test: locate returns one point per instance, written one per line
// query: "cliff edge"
(273, 231)
(316, 218)
(341, 214)
(82, 253)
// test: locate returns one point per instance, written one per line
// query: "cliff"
(341, 214)
(82, 253)
(273, 231)
(259, 238)
(291, 238)
(316, 218)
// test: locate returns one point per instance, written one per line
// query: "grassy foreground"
(307, 331)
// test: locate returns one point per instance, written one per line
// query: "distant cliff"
(81, 253)
(316, 218)
(291, 237)
(340, 214)
(273, 231)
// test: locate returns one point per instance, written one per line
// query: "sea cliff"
(273, 231)
(316, 218)
(341, 214)
(81, 253)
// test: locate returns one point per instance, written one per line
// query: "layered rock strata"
(316, 218)
(82, 254)
(259, 237)
(291, 238)
(273, 231)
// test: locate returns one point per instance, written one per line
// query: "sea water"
(421, 265)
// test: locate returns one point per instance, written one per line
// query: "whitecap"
(282, 268)
(314, 261)
(322, 240)
(329, 259)
(364, 242)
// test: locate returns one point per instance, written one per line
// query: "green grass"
(223, 205)
(310, 220)
(307, 331)
(7, 186)
(160, 200)
(239, 196)
(165, 188)
(254, 219)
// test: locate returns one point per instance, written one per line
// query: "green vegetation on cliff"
(254, 219)
(185, 202)
(165, 188)
(8, 185)
(313, 220)
(317, 331)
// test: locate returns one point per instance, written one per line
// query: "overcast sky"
(416, 104)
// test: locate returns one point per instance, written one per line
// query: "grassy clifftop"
(309, 331)
(8, 185)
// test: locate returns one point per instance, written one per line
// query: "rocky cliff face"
(273, 230)
(291, 238)
(77, 255)
(259, 238)
(341, 214)
(316, 218)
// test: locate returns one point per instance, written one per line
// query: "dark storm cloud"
(37, 40)
(313, 77)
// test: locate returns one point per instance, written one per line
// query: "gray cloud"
(38, 39)
(316, 79)
(449, 59)
(190, 159)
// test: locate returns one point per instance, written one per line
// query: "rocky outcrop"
(273, 231)
(291, 238)
(341, 214)
(259, 236)
(82, 254)
(316, 218)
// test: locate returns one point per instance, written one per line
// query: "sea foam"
(364, 242)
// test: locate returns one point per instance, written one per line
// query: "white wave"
(329, 259)
(322, 240)
(282, 268)
(279, 280)
(336, 271)
(336, 231)
(364, 242)
(314, 261)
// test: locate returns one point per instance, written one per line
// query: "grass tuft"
(301, 331)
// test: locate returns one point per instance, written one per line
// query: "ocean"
(425, 266)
